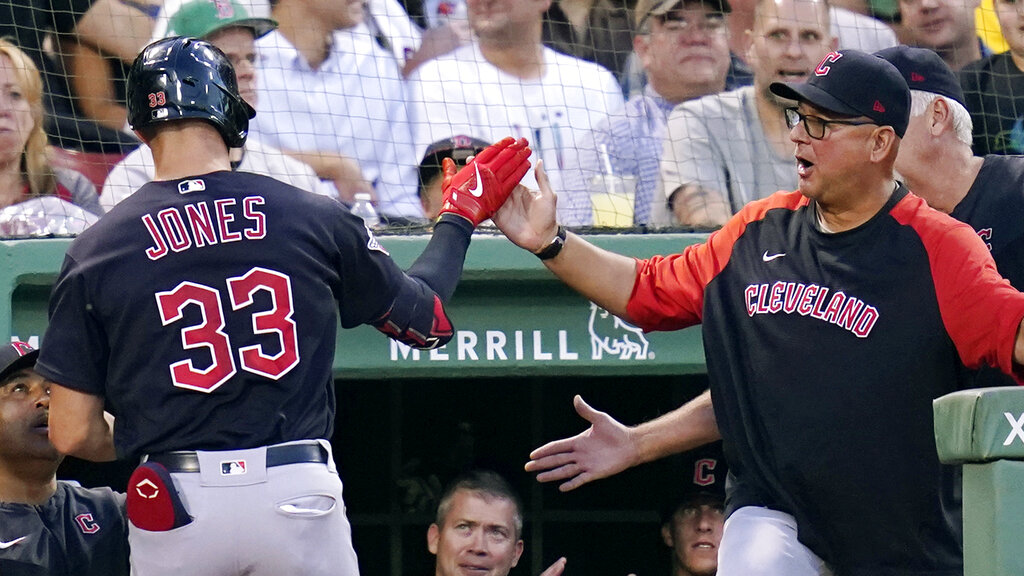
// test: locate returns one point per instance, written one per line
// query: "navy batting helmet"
(181, 77)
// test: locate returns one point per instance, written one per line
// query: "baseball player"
(202, 311)
(937, 163)
(48, 527)
(460, 148)
(832, 317)
(691, 524)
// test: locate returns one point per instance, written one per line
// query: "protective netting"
(636, 135)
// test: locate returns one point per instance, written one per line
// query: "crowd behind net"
(374, 118)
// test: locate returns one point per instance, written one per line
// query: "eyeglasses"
(710, 24)
(815, 125)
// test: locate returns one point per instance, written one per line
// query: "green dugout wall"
(511, 315)
(984, 430)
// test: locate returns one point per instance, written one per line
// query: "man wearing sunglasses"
(832, 317)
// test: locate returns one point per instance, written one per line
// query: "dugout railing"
(511, 316)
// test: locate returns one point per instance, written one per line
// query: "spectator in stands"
(994, 88)
(683, 46)
(412, 44)
(724, 150)
(432, 13)
(26, 173)
(459, 148)
(334, 99)
(692, 523)
(113, 27)
(945, 26)
(48, 526)
(410, 40)
(508, 82)
(97, 84)
(599, 31)
(230, 28)
(852, 29)
(97, 78)
(479, 528)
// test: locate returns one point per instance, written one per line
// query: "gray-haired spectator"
(683, 47)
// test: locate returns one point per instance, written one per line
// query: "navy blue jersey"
(78, 531)
(994, 207)
(824, 354)
(205, 311)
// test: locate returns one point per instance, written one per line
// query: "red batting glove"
(477, 190)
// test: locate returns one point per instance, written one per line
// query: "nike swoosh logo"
(478, 189)
(6, 545)
(769, 257)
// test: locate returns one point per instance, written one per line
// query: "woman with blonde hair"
(29, 184)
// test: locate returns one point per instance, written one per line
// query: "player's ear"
(519, 552)
(941, 116)
(666, 534)
(433, 536)
(884, 144)
(448, 170)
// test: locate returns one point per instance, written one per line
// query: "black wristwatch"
(552, 250)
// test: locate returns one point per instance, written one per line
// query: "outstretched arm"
(528, 220)
(555, 569)
(417, 316)
(608, 447)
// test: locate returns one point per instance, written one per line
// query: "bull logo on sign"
(610, 335)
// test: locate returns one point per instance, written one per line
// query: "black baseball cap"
(704, 471)
(648, 8)
(16, 356)
(924, 70)
(854, 83)
(458, 148)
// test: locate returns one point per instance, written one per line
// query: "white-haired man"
(936, 162)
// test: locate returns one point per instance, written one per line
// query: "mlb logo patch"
(232, 468)
(187, 186)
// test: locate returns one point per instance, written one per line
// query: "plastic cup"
(612, 198)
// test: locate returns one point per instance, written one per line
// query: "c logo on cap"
(829, 58)
(704, 471)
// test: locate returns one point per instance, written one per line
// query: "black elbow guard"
(416, 318)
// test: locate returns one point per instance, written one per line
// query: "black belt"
(276, 456)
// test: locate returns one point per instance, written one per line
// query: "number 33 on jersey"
(210, 333)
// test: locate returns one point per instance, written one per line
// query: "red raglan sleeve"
(980, 309)
(669, 290)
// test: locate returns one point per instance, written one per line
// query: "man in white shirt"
(233, 31)
(509, 83)
(724, 150)
(333, 98)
